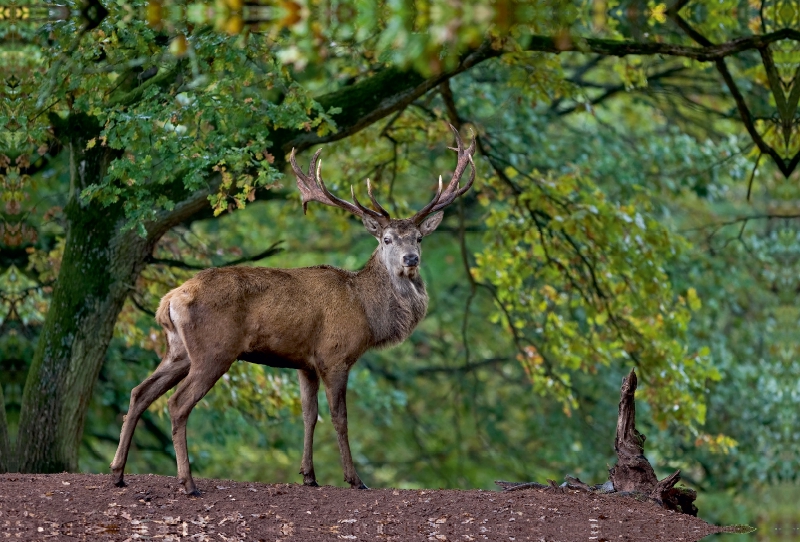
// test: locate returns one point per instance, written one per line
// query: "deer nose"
(410, 260)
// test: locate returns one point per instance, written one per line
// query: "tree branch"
(612, 90)
(380, 95)
(421, 371)
(272, 250)
(141, 307)
(786, 167)
(163, 79)
(762, 216)
(466, 368)
(707, 53)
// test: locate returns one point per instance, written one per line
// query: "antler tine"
(451, 196)
(366, 210)
(453, 190)
(312, 187)
(375, 203)
(428, 209)
(305, 183)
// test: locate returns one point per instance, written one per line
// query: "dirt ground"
(89, 507)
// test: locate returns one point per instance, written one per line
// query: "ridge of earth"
(88, 507)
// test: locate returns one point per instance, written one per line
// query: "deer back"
(297, 318)
(284, 317)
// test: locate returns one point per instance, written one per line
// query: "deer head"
(399, 239)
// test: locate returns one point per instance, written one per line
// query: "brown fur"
(162, 313)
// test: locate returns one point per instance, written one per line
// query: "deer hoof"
(362, 486)
(311, 483)
(194, 493)
(118, 477)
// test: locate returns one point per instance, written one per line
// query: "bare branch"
(707, 53)
(272, 250)
(752, 175)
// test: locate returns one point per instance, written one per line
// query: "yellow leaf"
(92, 142)
(549, 292)
(694, 301)
(179, 46)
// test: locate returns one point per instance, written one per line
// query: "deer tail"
(162, 313)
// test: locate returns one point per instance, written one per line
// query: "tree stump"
(633, 473)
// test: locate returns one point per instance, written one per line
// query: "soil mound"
(88, 507)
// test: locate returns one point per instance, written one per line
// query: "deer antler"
(312, 188)
(452, 191)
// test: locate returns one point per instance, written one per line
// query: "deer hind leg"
(169, 372)
(201, 378)
(309, 386)
(336, 391)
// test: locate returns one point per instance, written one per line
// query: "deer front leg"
(336, 391)
(309, 386)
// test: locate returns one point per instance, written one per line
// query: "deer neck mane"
(394, 305)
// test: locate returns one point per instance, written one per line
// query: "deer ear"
(431, 223)
(372, 226)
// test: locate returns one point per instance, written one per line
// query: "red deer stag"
(318, 320)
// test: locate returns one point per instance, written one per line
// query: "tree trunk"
(5, 445)
(98, 268)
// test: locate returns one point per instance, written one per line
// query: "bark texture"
(633, 473)
(5, 445)
(98, 267)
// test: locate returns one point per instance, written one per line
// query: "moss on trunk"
(98, 267)
(363, 99)
(5, 445)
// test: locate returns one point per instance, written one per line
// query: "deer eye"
(387, 240)
(419, 239)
